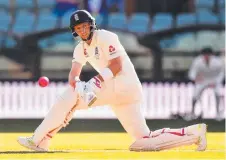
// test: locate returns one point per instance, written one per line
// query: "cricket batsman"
(207, 71)
(116, 85)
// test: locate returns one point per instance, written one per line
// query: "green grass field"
(110, 146)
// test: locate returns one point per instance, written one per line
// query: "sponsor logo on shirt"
(111, 49)
(97, 55)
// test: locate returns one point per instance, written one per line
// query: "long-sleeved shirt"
(212, 72)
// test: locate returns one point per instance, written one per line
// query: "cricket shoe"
(29, 143)
(200, 131)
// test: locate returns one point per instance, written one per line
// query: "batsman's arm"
(113, 49)
(114, 67)
(74, 73)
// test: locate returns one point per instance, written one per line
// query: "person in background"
(63, 6)
(207, 71)
(116, 5)
(103, 8)
(98, 8)
(129, 6)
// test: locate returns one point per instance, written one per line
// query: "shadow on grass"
(64, 151)
(31, 152)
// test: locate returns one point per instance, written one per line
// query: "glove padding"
(80, 85)
(94, 85)
(85, 90)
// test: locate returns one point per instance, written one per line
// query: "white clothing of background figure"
(207, 71)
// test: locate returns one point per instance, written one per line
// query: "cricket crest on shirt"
(97, 54)
(85, 53)
(76, 17)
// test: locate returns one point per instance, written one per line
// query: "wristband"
(106, 74)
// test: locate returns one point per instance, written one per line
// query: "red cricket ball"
(43, 81)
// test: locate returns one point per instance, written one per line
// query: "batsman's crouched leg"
(58, 116)
(162, 142)
(196, 134)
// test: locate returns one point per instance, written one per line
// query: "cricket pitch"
(110, 146)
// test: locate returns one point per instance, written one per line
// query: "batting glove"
(80, 85)
(94, 85)
(85, 91)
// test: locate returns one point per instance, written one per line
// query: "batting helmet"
(81, 16)
(207, 50)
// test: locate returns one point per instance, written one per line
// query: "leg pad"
(163, 142)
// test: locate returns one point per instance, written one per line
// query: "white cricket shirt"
(210, 73)
(105, 46)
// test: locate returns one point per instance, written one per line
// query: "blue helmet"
(81, 16)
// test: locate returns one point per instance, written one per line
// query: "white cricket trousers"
(199, 88)
(126, 104)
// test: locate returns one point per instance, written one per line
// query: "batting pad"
(163, 142)
(59, 116)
